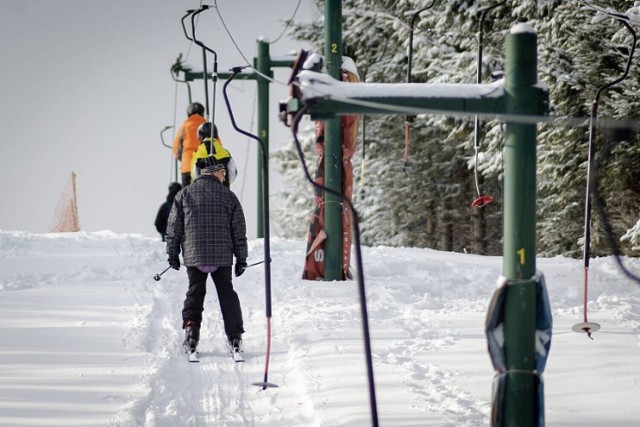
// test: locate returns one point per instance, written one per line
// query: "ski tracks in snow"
(212, 392)
(217, 390)
(413, 338)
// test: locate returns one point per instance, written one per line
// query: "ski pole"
(254, 264)
(157, 276)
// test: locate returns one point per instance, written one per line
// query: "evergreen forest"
(424, 199)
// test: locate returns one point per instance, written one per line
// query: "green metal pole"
(264, 66)
(333, 147)
(519, 258)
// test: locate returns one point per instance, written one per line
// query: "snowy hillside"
(89, 338)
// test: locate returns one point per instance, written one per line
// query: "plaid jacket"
(207, 223)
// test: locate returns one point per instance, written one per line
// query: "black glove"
(174, 262)
(241, 266)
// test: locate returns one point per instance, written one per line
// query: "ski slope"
(88, 338)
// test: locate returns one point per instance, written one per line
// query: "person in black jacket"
(163, 213)
(207, 224)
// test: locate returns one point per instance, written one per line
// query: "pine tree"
(294, 204)
(582, 50)
(425, 202)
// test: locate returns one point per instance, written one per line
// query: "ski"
(237, 355)
(192, 354)
(235, 348)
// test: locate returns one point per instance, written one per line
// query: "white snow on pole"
(523, 27)
(319, 85)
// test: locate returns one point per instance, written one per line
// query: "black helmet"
(195, 108)
(174, 187)
(204, 131)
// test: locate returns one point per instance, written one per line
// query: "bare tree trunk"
(478, 224)
(446, 228)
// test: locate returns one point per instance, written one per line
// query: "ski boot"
(235, 348)
(191, 336)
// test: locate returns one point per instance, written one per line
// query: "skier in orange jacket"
(186, 141)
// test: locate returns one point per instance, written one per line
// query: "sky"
(86, 87)
(89, 338)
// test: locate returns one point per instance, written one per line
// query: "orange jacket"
(186, 141)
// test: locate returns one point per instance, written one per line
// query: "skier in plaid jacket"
(207, 224)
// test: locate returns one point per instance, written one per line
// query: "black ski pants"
(186, 179)
(227, 297)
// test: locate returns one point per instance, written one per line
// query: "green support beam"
(519, 95)
(333, 148)
(380, 103)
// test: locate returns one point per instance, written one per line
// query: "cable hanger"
(176, 69)
(409, 118)
(214, 74)
(586, 326)
(193, 13)
(265, 223)
(482, 200)
(359, 265)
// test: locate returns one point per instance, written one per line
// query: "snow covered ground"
(88, 338)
